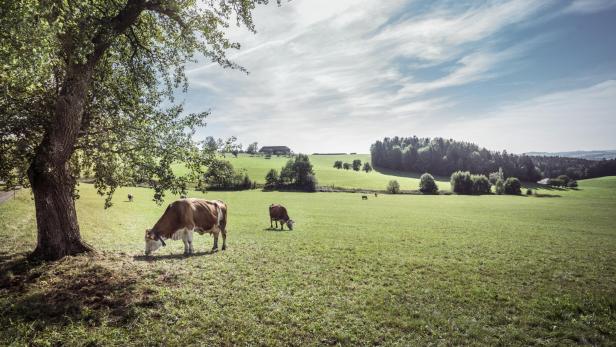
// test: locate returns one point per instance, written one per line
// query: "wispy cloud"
(555, 121)
(335, 75)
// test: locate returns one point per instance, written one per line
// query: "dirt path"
(5, 196)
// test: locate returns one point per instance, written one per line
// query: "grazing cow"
(278, 213)
(185, 216)
(130, 197)
(364, 197)
(376, 194)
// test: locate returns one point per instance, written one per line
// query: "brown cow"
(278, 213)
(183, 217)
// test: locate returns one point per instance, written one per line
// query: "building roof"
(274, 148)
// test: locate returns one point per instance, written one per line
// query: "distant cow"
(185, 216)
(130, 197)
(376, 194)
(278, 213)
(364, 197)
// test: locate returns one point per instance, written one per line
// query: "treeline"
(442, 157)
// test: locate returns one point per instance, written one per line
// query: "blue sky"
(334, 76)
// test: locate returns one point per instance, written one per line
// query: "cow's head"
(290, 223)
(153, 241)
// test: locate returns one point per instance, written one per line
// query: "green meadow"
(323, 166)
(393, 270)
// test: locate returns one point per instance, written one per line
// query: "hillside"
(258, 166)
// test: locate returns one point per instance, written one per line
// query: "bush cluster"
(499, 187)
(513, 186)
(296, 174)
(461, 182)
(393, 187)
(481, 184)
(427, 185)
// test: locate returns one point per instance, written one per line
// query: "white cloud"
(578, 119)
(336, 75)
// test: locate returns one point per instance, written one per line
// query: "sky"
(336, 75)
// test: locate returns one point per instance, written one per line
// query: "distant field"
(257, 167)
(393, 270)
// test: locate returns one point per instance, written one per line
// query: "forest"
(440, 156)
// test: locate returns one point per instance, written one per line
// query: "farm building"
(275, 150)
(544, 182)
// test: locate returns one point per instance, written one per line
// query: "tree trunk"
(50, 177)
(56, 218)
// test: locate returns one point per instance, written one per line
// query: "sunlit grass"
(406, 270)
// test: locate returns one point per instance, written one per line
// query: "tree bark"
(56, 218)
(50, 177)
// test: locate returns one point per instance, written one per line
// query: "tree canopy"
(88, 86)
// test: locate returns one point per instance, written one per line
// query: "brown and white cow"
(185, 216)
(278, 213)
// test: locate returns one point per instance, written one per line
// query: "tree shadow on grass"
(172, 256)
(85, 288)
(543, 195)
(397, 173)
(275, 229)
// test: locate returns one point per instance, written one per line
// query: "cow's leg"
(189, 238)
(185, 240)
(215, 247)
(224, 239)
(281, 225)
(271, 224)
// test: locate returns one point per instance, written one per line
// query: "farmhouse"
(544, 182)
(275, 150)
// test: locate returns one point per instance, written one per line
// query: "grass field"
(393, 270)
(257, 167)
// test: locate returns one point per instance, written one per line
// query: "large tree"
(83, 82)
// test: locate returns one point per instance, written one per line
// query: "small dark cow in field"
(130, 197)
(376, 194)
(364, 197)
(278, 213)
(185, 216)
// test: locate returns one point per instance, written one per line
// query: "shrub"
(427, 184)
(346, 166)
(338, 164)
(271, 179)
(513, 186)
(565, 179)
(499, 187)
(556, 182)
(367, 167)
(495, 176)
(310, 185)
(481, 184)
(356, 165)
(529, 192)
(572, 184)
(393, 187)
(461, 182)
